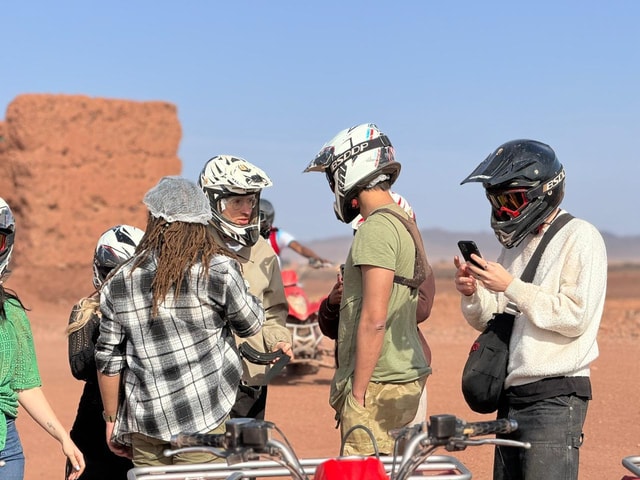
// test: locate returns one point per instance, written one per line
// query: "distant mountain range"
(442, 245)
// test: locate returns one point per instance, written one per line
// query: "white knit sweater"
(555, 335)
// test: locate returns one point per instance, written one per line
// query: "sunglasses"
(3, 242)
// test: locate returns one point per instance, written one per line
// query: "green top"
(18, 365)
(381, 241)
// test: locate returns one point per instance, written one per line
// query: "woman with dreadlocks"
(166, 355)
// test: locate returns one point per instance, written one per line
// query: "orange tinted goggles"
(508, 204)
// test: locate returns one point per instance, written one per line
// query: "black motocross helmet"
(524, 181)
(267, 216)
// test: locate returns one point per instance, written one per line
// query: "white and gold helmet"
(225, 176)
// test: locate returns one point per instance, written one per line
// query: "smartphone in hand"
(467, 247)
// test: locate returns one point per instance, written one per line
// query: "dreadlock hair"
(177, 246)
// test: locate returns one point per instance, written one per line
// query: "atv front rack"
(444, 466)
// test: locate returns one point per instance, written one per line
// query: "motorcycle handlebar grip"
(182, 440)
(502, 425)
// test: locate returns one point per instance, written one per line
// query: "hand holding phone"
(467, 247)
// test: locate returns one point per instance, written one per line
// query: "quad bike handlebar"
(632, 463)
(450, 433)
(247, 440)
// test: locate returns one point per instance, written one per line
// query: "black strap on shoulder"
(532, 265)
(421, 264)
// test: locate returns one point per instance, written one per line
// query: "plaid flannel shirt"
(181, 369)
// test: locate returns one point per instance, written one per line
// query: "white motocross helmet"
(7, 235)
(352, 160)
(399, 199)
(114, 247)
(224, 176)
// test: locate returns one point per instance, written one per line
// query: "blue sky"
(447, 81)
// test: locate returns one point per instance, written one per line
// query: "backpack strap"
(422, 268)
(532, 265)
(556, 225)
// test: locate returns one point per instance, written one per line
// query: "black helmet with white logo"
(524, 181)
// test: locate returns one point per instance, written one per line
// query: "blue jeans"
(553, 426)
(12, 454)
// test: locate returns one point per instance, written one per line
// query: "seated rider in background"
(280, 239)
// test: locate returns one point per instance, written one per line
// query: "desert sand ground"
(298, 405)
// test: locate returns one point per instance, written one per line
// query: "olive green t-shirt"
(381, 241)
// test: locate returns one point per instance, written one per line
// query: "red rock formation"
(71, 167)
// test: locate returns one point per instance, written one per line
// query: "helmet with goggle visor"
(509, 203)
(524, 182)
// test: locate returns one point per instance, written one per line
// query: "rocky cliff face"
(70, 168)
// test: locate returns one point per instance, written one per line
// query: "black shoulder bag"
(485, 371)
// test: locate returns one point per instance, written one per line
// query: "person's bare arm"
(110, 393)
(306, 252)
(37, 406)
(377, 284)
